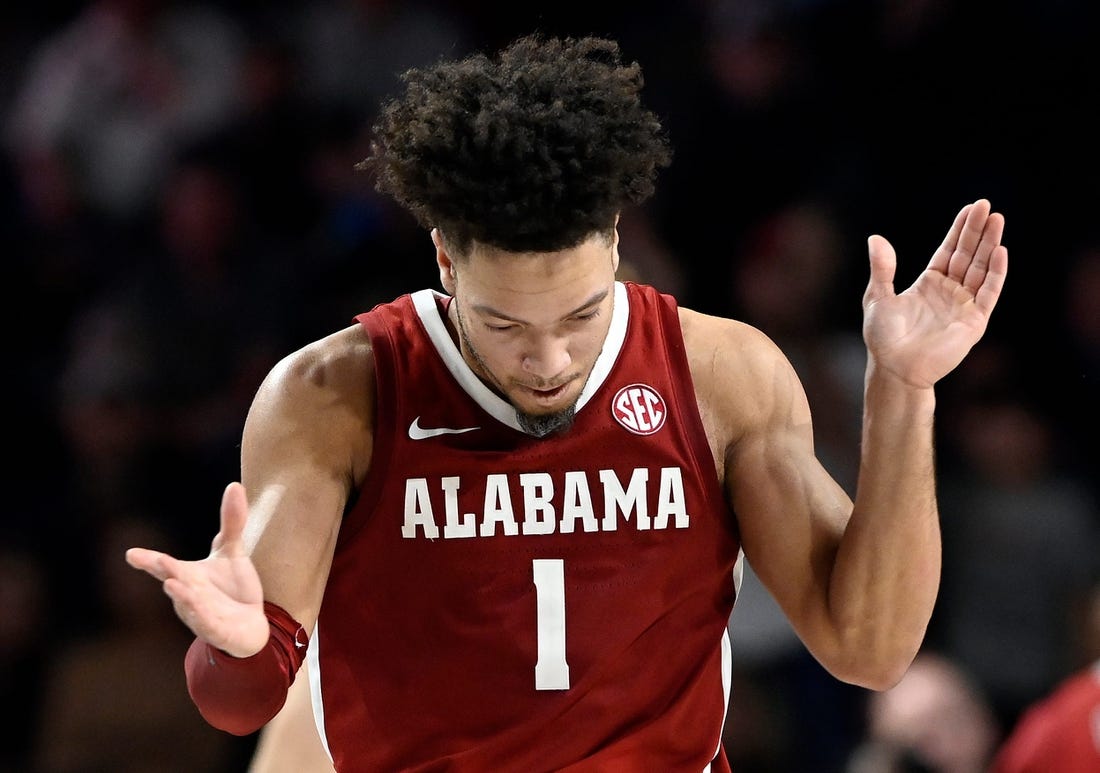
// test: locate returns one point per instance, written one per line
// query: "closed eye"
(504, 328)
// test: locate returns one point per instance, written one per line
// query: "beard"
(541, 425)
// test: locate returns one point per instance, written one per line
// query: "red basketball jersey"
(1060, 733)
(499, 602)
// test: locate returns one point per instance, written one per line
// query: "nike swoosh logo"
(416, 432)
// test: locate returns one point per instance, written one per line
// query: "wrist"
(883, 386)
(241, 694)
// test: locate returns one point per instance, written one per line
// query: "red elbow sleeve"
(241, 695)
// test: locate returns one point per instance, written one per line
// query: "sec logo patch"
(639, 408)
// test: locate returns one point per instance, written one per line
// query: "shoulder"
(726, 354)
(340, 361)
(742, 379)
(320, 396)
(708, 334)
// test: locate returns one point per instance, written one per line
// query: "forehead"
(536, 287)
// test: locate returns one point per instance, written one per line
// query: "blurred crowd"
(179, 208)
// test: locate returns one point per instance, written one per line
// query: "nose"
(547, 357)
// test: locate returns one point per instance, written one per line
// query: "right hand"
(219, 598)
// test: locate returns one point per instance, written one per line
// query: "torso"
(477, 547)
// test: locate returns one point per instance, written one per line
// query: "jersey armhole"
(385, 393)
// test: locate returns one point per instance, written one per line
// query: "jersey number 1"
(551, 670)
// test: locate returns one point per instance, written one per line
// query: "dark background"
(178, 209)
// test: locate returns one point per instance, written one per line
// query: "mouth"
(548, 395)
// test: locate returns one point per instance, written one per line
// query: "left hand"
(922, 334)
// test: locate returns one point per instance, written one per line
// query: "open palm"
(923, 333)
(219, 598)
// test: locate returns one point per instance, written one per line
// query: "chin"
(543, 424)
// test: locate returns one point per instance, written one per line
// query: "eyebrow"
(489, 311)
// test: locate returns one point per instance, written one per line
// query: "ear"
(615, 245)
(445, 263)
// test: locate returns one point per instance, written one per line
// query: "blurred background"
(178, 209)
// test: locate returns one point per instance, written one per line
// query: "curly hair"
(534, 150)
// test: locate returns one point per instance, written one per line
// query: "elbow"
(882, 678)
(863, 667)
(874, 654)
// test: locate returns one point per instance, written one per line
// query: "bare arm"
(306, 444)
(858, 581)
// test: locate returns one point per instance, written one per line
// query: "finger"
(942, 255)
(234, 515)
(991, 238)
(153, 562)
(186, 602)
(884, 263)
(990, 290)
(969, 239)
(184, 595)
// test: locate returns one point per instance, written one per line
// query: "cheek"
(496, 352)
(585, 349)
(589, 342)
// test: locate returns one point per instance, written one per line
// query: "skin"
(555, 346)
(858, 580)
(289, 743)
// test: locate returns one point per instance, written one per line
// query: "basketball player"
(501, 524)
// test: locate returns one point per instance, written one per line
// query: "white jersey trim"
(425, 302)
(727, 650)
(313, 672)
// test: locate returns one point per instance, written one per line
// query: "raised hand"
(922, 334)
(220, 597)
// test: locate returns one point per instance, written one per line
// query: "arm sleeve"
(240, 695)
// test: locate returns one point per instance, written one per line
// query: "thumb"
(884, 262)
(234, 515)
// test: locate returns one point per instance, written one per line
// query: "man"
(502, 525)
